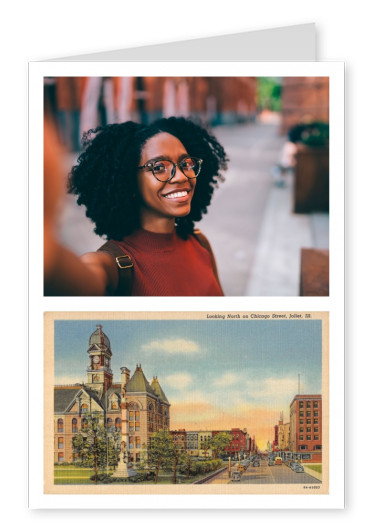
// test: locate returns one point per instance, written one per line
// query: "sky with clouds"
(215, 374)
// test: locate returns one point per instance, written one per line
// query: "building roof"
(138, 383)
(99, 338)
(156, 386)
(64, 396)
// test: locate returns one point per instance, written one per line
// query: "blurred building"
(82, 103)
(304, 100)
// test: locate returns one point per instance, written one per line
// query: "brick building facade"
(306, 427)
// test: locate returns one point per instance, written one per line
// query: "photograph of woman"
(144, 186)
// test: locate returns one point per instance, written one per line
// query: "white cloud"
(172, 346)
(274, 389)
(227, 379)
(179, 380)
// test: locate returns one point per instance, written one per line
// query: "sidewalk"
(276, 266)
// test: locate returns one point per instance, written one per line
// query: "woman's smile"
(163, 201)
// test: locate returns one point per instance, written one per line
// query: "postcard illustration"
(173, 402)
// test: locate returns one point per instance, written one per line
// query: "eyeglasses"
(165, 170)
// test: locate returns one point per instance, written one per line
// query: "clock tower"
(99, 373)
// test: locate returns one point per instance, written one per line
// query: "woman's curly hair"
(105, 176)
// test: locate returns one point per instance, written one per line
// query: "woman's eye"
(188, 164)
(159, 167)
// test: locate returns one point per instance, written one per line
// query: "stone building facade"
(145, 404)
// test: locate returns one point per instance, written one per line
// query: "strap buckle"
(126, 256)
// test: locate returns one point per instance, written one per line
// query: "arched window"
(74, 426)
(84, 409)
(84, 423)
(60, 425)
(109, 423)
(118, 424)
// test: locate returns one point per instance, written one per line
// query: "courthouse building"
(146, 403)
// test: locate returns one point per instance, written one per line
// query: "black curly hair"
(105, 176)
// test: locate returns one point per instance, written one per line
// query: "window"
(315, 437)
(308, 404)
(109, 423)
(84, 409)
(309, 437)
(301, 438)
(84, 424)
(317, 447)
(316, 430)
(308, 421)
(131, 443)
(118, 424)
(315, 404)
(60, 425)
(315, 421)
(301, 430)
(301, 421)
(74, 426)
(60, 457)
(303, 447)
(301, 413)
(308, 413)
(315, 413)
(301, 404)
(138, 442)
(308, 430)
(60, 443)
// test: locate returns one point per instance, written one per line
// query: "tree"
(205, 445)
(162, 452)
(96, 447)
(219, 442)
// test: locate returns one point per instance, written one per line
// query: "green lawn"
(71, 475)
(315, 468)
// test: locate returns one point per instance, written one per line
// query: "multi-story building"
(192, 443)
(306, 427)
(283, 436)
(146, 404)
(179, 438)
(239, 445)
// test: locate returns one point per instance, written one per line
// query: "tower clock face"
(96, 359)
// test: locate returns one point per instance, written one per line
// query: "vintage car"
(278, 461)
(236, 476)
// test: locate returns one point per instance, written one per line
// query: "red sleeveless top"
(166, 265)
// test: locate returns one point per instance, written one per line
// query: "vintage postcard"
(186, 403)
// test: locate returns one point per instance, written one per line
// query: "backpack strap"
(204, 242)
(125, 268)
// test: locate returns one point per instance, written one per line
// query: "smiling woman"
(144, 187)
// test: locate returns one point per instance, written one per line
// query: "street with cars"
(263, 470)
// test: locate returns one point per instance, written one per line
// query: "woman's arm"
(67, 274)
(64, 272)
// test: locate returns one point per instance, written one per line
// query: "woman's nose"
(178, 176)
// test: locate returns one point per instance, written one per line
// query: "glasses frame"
(150, 166)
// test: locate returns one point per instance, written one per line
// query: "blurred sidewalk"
(255, 234)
